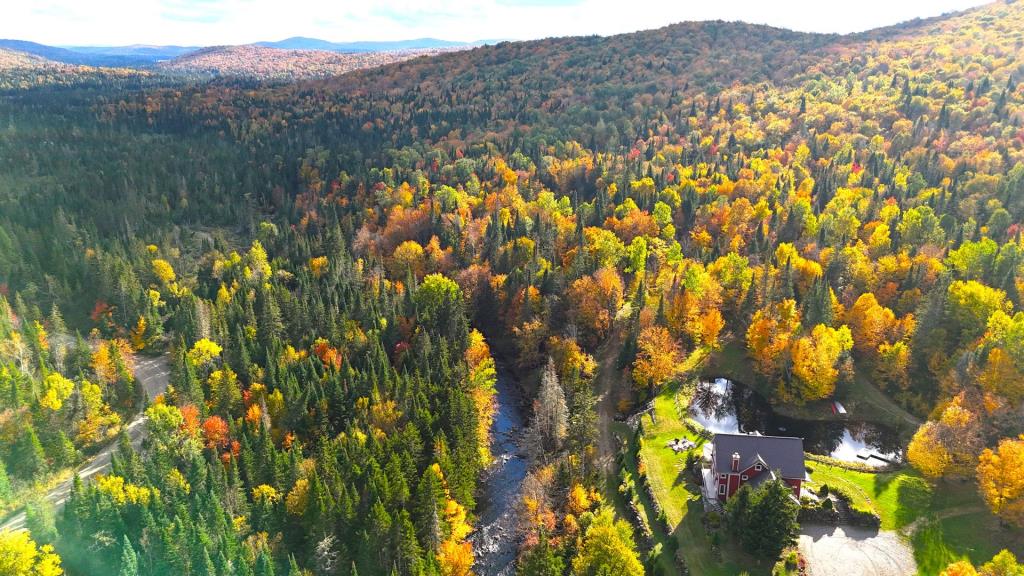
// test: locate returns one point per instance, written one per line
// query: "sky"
(211, 22)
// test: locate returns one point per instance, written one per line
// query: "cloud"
(208, 22)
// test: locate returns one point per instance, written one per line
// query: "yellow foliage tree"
(769, 335)
(203, 352)
(607, 548)
(58, 388)
(20, 556)
(298, 498)
(163, 270)
(927, 453)
(482, 378)
(814, 360)
(137, 334)
(318, 265)
(658, 357)
(1001, 479)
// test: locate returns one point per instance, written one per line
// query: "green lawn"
(894, 496)
(976, 537)
(680, 498)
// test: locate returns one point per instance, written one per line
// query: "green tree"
(5, 484)
(767, 523)
(29, 456)
(543, 559)
(129, 561)
(607, 548)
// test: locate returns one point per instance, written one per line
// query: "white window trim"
(721, 489)
(722, 476)
(744, 477)
(758, 467)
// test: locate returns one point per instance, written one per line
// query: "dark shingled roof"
(778, 452)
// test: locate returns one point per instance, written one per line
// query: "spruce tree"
(129, 561)
(5, 484)
(29, 455)
(264, 564)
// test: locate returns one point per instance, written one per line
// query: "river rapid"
(496, 541)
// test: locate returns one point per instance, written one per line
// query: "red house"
(738, 459)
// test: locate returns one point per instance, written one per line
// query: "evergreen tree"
(543, 559)
(765, 519)
(129, 561)
(264, 564)
(5, 484)
(28, 453)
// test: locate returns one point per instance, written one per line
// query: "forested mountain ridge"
(324, 259)
(269, 63)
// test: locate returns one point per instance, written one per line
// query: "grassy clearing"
(894, 496)
(976, 537)
(952, 525)
(679, 497)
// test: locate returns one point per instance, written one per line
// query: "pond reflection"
(723, 406)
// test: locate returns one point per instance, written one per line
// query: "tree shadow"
(913, 499)
(883, 479)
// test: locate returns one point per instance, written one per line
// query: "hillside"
(10, 59)
(357, 280)
(303, 43)
(277, 64)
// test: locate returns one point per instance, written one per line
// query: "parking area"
(853, 551)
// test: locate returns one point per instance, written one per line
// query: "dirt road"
(153, 374)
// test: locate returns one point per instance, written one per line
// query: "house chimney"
(735, 461)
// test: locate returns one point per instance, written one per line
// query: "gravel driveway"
(853, 551)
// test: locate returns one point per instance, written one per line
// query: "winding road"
(153, 373)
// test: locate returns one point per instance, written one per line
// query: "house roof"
(781, 453)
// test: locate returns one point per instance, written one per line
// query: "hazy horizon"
(217, 22)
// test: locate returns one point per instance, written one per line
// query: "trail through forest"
(153, 374)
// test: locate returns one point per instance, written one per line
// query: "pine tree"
(5, 484)
(264, 564)
(28, 453)
(129, 561)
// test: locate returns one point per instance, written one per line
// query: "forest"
(337, 271)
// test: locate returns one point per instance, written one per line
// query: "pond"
(723, 406)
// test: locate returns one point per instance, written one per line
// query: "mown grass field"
(951, 525)
(680, 497)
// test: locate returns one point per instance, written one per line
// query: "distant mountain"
(144, 51)
(304, 43)
(145, 55)
(48, 52)
(264, 62)
(110, 56)
(14, 59)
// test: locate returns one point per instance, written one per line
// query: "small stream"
(495, 541)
